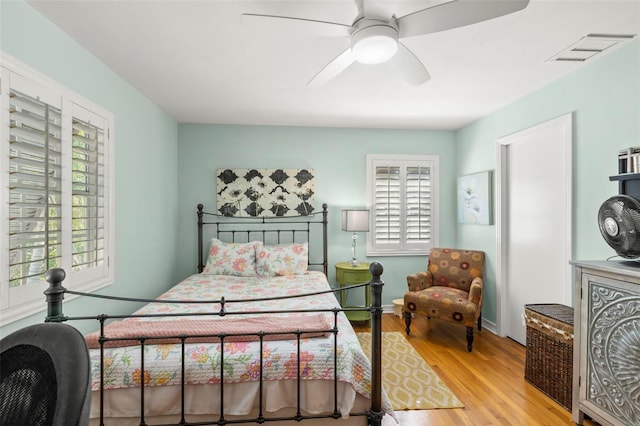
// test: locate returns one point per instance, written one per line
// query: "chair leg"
(407, 321)
(480, 322)
(469, 338)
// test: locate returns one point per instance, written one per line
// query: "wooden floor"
(489, 381)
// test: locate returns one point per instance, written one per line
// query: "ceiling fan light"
(374, 44)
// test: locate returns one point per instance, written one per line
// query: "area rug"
(409, 381)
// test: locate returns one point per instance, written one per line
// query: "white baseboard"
(387, 309)
(489, 326)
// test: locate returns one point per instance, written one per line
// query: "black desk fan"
(619, 221)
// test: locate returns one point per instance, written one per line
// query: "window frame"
(403, 248)
(29, 300)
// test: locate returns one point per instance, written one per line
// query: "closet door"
(536, 201)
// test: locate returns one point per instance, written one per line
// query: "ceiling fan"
(376, 32)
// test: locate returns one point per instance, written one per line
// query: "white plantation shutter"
(56, 204)
(35, 189)
(88, 195)
(402, 196)
(387, 216)
(418, 204)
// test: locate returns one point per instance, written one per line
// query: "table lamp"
(355, 220)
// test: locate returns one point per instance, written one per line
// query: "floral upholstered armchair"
(450, 289)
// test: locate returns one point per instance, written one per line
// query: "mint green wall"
(156, 195)
(338, 158)
(605, 99)
(145, 156)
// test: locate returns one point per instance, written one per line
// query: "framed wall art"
(265, 192)
(474, 198)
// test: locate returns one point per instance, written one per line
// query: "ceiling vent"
(589, 46)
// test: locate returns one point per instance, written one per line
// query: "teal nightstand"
(347, 275)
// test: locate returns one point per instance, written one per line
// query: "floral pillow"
(283, 259)
(238, 259)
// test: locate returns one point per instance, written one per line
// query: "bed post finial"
(200, 214)
(325, 253)
(376, 413)
(54, 294)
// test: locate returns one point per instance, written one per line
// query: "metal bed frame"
(268, 229)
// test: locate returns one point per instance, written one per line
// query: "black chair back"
(45, 377)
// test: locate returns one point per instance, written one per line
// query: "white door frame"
(566, 121)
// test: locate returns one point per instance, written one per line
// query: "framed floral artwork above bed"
(265, 192)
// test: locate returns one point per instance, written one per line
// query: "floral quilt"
(241, 359)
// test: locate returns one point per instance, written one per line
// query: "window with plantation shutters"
(402, 192)
(56, 209)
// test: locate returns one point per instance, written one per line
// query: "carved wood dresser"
(606, 363)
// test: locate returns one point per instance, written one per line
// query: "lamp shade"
(355, 220)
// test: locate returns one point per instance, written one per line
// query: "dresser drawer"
(355, 277)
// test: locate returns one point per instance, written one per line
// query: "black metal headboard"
(270, 230)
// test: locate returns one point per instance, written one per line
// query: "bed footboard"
(56, 291)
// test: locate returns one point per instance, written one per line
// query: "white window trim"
(434, 162)
(75, 281)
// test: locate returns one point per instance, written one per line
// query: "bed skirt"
(162, 403)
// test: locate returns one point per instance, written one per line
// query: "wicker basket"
(549, 357)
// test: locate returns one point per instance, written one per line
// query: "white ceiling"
(200, 63)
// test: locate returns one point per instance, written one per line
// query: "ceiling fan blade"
(298, 25)
(409, 66)
(332, 69)
(454, 14)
